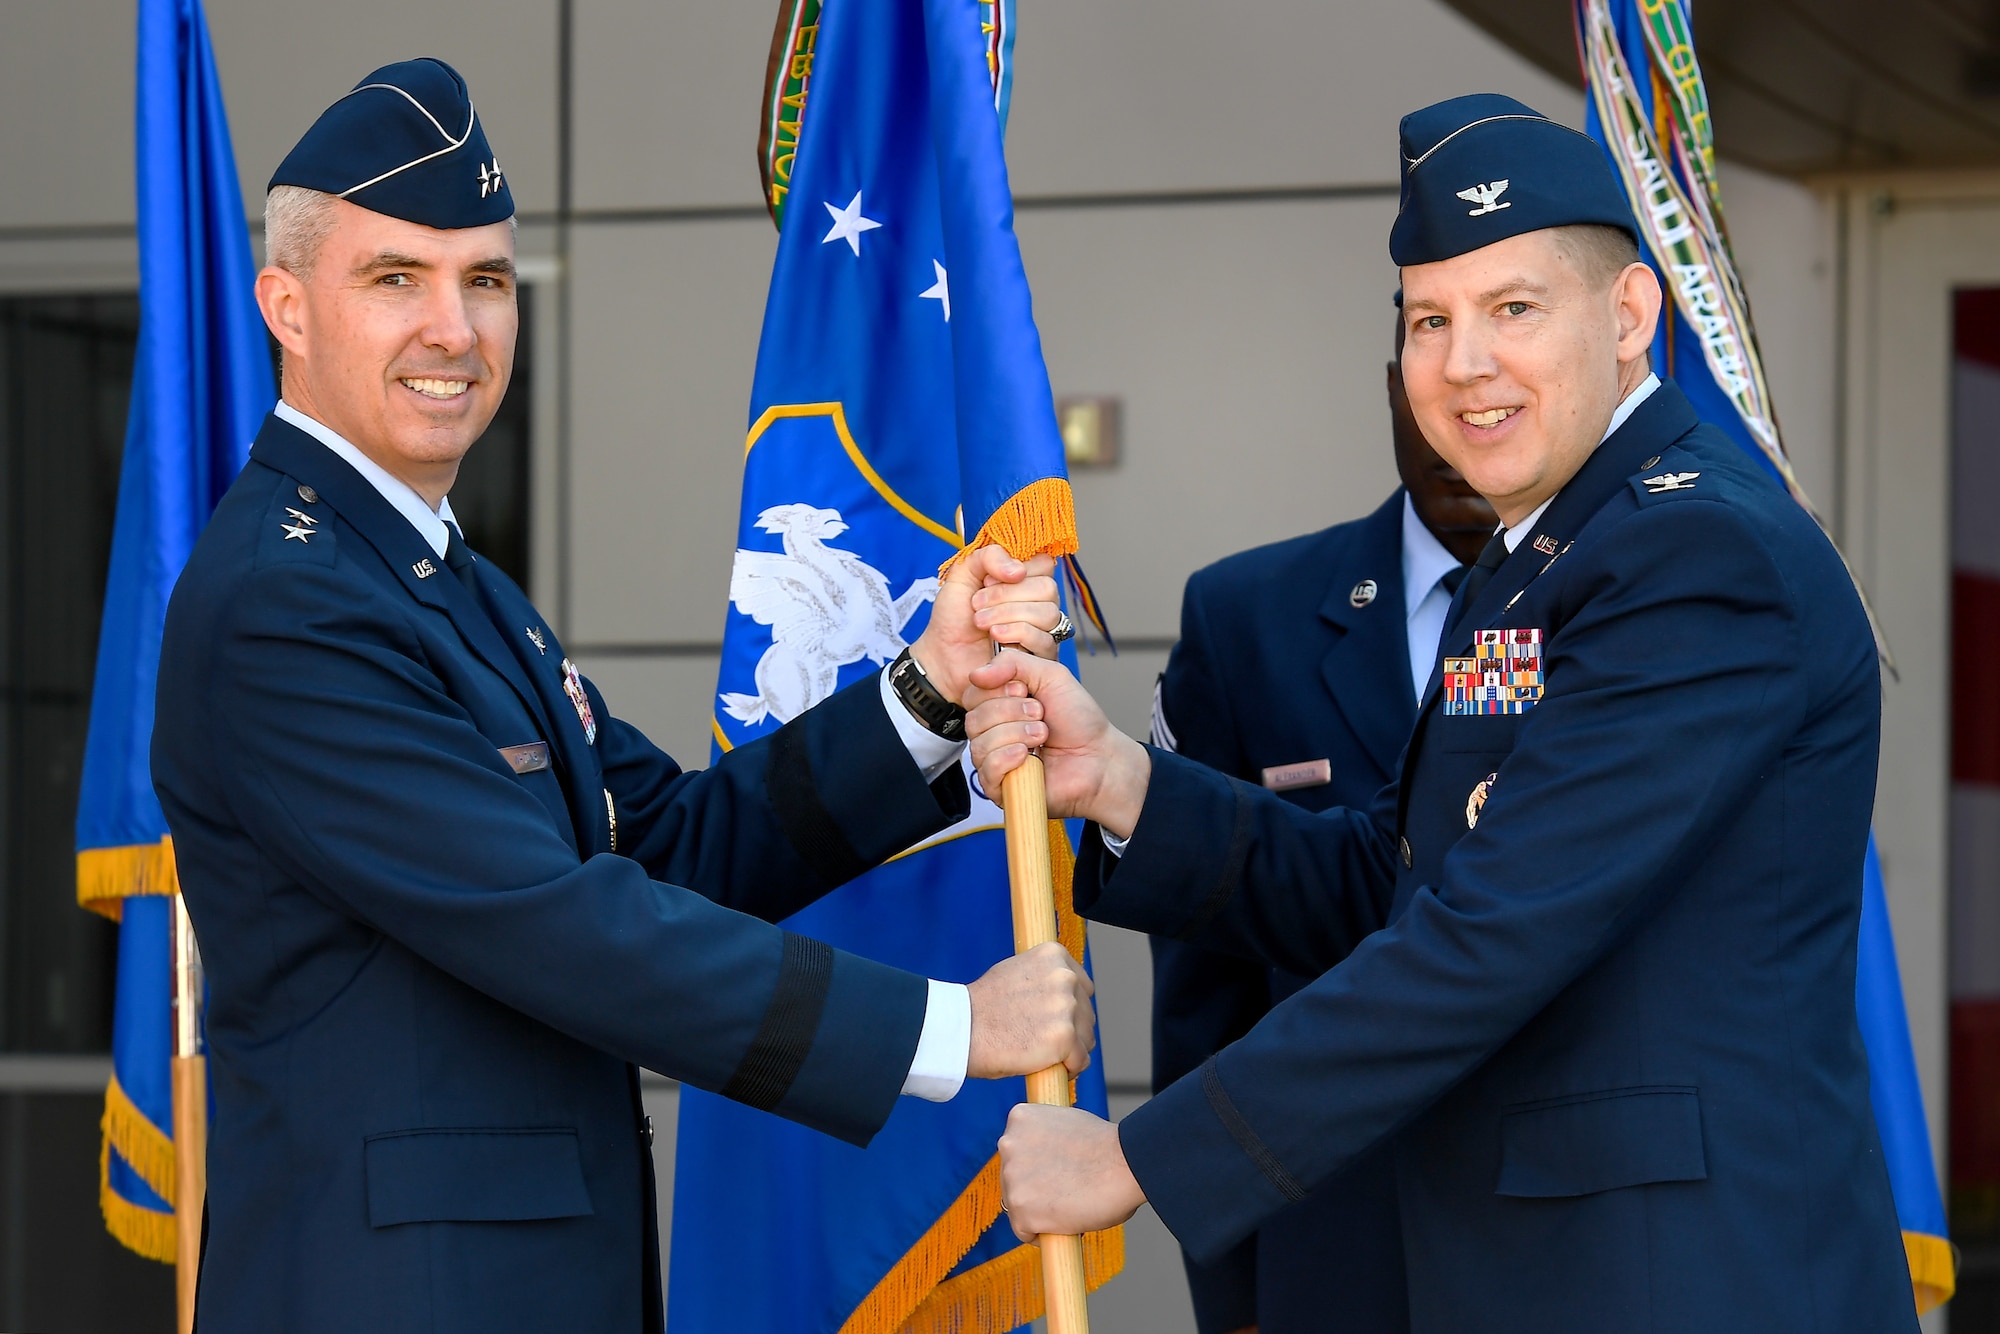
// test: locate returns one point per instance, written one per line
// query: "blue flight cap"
(1482, 168)
(405, 142)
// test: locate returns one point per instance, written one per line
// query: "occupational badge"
(1503, 675)
(573, 687)
(1477, 801)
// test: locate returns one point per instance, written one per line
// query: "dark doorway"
(65, 382)
(1975, 811)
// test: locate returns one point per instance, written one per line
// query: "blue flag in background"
(201, 385)
(1649, 108)
(900, 401)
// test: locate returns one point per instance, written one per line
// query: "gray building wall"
(1236, 297)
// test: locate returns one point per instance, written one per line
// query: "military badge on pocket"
(1477, 801)
(1503, 675)
(573, 687)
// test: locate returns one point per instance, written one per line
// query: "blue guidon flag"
(900, 406)
(200, 387)
(1648, 107)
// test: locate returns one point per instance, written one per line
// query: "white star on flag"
(848, 224)
(940, 291)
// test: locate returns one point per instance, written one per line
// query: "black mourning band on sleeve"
(1248, 1140)
(809, 826)
(785, 1038)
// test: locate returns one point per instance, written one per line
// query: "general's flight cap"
(1482, 168)
(405, 142)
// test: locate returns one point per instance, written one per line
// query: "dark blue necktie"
(1491, 557)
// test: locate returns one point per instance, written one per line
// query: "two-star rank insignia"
(303, 530)
(489, 179)
(1669, 481)
(535, 638)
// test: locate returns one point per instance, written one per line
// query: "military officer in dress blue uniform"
(1587, 965)
(447, 900)
(1343, 625)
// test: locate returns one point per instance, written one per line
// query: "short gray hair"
(297, 222)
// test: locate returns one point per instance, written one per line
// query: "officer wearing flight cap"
(1588, 963)
(435, 879)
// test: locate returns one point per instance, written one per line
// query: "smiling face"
(1516, 355)
(401, 339)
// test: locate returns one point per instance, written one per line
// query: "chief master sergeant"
(446, 899)
(1588, 964)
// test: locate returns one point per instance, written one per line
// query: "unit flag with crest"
(901, 412)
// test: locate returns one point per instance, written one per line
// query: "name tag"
(527, 759)
(1503, 675)
(1306, 773)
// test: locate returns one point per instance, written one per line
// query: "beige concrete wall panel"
(1783, 238)
(1248, 342)
(282, 62)
(666, 105)
(666, 326)
(66, 98)
(1126, 95)
(667, 698)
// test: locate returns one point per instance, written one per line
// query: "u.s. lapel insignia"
(1362, 594)
(1503, 675)
(1545, 544)
(423, 569)
(1669, 481)
(535, 638)
(573, 687)
(1477, 801)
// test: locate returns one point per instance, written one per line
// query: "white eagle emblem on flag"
(826, 608)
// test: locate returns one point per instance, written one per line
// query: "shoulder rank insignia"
(573, 687)
(1503, 675)
(535, 638)
(1669, 481)
(302, 529)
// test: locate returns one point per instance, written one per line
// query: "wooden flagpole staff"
(190, 1081)
(1024, 793)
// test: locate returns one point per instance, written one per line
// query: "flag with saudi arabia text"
(1649, 107)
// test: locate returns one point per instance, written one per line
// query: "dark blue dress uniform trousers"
(448, 902)
(1293, 652)
(1590, 964)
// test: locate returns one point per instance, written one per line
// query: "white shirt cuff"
(932, 752)
(944, 1050)
(1112, 843)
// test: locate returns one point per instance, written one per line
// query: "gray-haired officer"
(1589, 962)
(437, 882)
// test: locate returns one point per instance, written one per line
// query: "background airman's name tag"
(526, 759)
(1306, 773)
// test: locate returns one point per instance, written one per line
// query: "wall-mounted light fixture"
(1090, 430)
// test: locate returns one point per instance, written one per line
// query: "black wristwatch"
(924, 700)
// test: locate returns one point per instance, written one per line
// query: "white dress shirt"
(944, 1048)
(1425, 597)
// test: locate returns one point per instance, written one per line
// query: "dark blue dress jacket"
(1277, 665)
(431, 976)
(1609, 1029)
